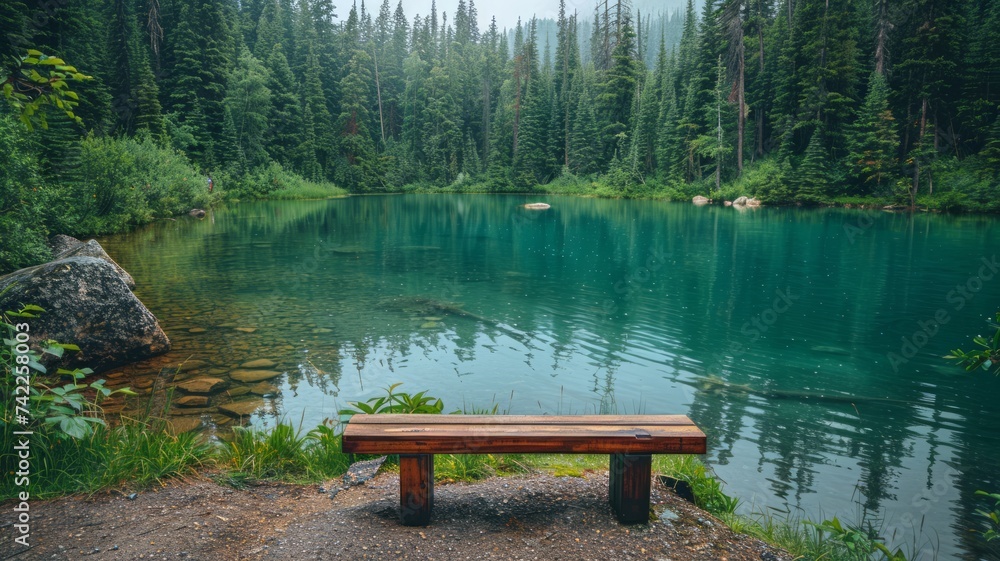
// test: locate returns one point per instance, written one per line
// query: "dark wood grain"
(416, 489)
(417, 434)
(399, 419)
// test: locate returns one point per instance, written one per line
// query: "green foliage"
(38, 81)
(475, 467)
(873, 141)
(992, 516)
(126, 182)
(71, 410)
(860, 543)
(987, 359)
(812, 176)
(73, 449)
(396, 402)
(22, 200)
(284, 453)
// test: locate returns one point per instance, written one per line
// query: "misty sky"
(506, 11)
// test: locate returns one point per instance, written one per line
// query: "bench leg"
(416, 488)
(628, 487)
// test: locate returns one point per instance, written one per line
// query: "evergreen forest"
(126, 107)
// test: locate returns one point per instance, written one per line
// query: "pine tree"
(315, 103)
(617, 98)
(585, 152)
(285, 121)
(873, 141)
(812, 174)
(149, 113)
(359, 162)
(248, 105)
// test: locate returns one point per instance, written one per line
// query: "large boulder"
(699, 200)
(86, 303)
(66, 246)
(61, 243)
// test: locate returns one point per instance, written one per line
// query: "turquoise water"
(806, 343)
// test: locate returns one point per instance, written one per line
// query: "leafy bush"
(125, 182)
(72, 448)
(274, 182)
(22, 200)
(396, 402)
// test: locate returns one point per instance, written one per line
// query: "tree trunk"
(742, 120)
(378, 91)
(517, 103)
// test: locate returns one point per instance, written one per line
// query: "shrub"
(22, 200)
(125, 182)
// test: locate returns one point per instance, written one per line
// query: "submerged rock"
(259, 363)
(237, 391)
(263, 388)
(203, 385)
(191, 401)
(537, 206)
(180, 425)
(250, 376)
(242, 408)
(89, 304)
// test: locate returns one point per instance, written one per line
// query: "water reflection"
(772, 329)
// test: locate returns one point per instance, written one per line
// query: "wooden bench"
(630, 440)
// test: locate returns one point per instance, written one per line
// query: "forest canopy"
(794, 101)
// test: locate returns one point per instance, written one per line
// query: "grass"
(284, 453)
(131, 455)
(308, 190)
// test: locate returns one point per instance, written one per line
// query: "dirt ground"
(527, 517)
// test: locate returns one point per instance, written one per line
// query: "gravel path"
(527, 517)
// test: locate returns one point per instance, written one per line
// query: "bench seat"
(630, 440)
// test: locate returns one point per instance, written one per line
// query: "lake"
(807, 344)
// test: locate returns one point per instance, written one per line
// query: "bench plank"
(415, 434)
(629, 420)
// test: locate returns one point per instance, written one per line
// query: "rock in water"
(259, 363)
(191, 401)
(86, 303)
(699, 200)
(251, 376)
(66, 246)
(242, 408)
(740, 201)
(202, 385)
